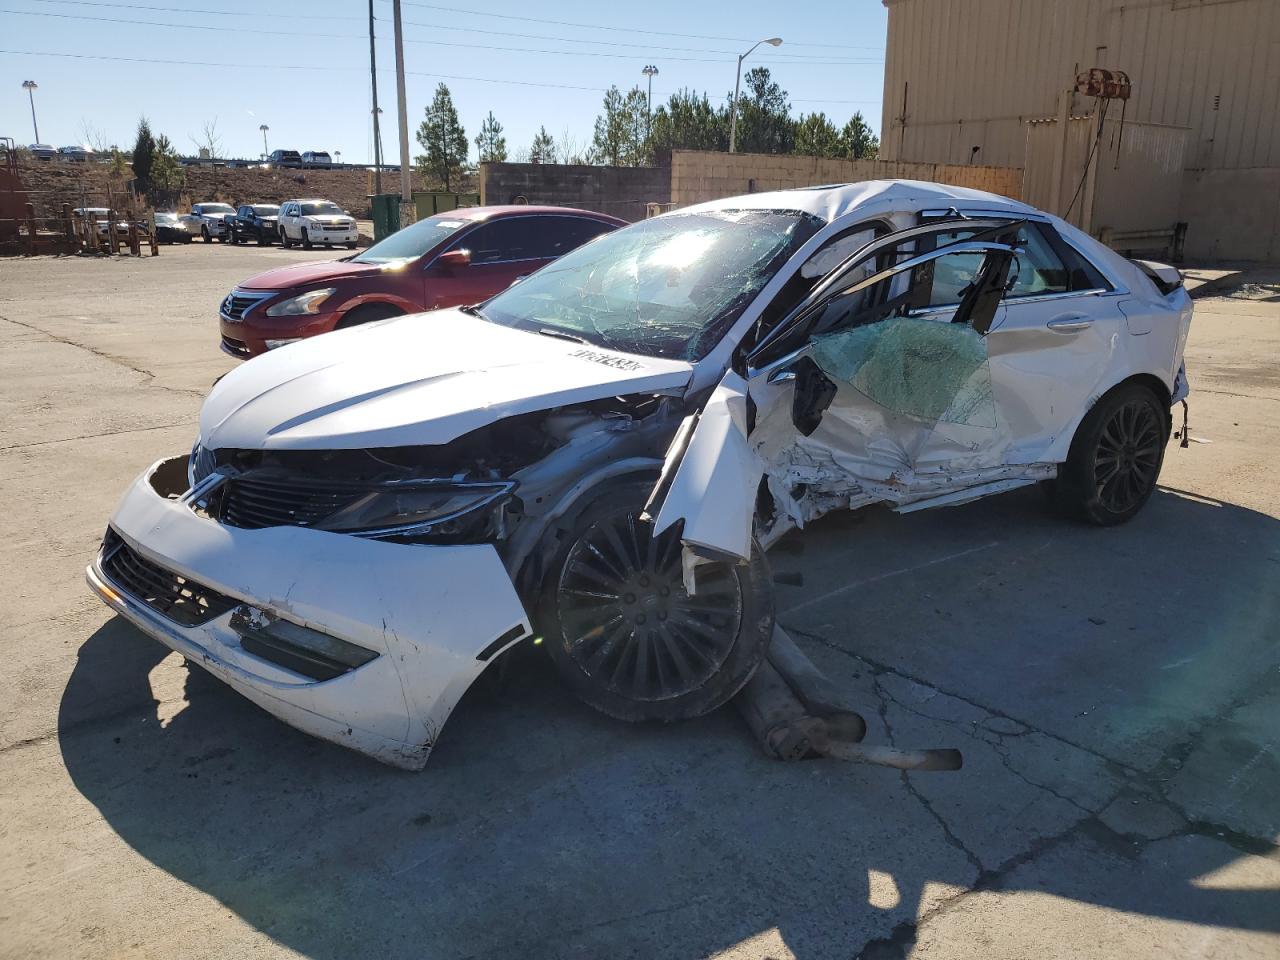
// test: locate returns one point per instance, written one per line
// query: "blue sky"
(547, 72)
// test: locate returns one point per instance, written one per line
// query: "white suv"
(312, 222)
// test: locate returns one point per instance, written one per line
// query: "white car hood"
(419, 379)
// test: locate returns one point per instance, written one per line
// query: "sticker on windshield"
(449, 224)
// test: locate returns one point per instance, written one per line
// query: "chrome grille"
(237, 303)
(255, 501)
(183, 601)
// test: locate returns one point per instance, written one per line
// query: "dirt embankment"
(51, 184)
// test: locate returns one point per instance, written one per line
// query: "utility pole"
(406, 182)
(377, 136)
(30, 87)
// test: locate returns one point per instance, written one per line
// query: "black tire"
(306, 239)
(351, 246)
(284, 240)
(263, 239)
(204, 232)
(188, 238)
(232, 237)
(622, 632)
(1115, 458)
(367, 314)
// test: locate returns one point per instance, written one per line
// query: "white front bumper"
(429, 612)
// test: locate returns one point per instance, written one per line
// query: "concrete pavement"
(1115, 694)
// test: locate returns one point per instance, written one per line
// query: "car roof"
(524, 209)
(835, 200)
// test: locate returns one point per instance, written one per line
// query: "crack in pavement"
(95, 436)
(898, 943)
(148, 376)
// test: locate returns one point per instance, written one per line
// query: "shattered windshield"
(667, 287)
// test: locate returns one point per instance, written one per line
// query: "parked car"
(311, 222)
(102, 220)
(285, 158)
(599, 455)
(460, 257)
(42, 151)
(211, 219)
(317, 160)
(171, 228)
(255, 221)
(75, 154)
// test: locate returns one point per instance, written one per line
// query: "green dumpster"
(385, 208)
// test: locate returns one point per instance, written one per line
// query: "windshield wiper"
(473, 310)
(560, 335)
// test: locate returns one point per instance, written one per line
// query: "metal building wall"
(974, 70)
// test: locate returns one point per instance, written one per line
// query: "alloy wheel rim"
(626, 619)
(1128, 457)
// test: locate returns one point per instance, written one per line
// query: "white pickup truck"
(210, 220)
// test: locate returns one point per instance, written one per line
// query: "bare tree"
(569, 149)
(95, 138)
(209, 140)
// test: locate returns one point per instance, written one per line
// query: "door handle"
(1070, 323)
(781, 375)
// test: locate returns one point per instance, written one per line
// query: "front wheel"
(351, 245)
(306, 239)
(624, 634)
(284, 240)
(1115, 457)
(204, 233)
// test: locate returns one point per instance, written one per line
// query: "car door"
(499, 252)
(1051, 342)
(851, 398)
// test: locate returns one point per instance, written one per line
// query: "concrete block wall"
(698, 175)
(620, 191)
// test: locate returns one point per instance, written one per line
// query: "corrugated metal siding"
(978, 69)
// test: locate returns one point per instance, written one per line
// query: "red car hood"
(299, 274)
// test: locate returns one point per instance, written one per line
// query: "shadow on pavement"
(542, 829)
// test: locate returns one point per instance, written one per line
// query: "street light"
(649, 71)
(737, 84)
(265, 152)
(338, 154)
(30, 87)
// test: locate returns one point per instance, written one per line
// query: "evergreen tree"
(816, 136)
(764, 115)
(857, 140)
(543, 149)
(444, 140)
(144, 148)
(491, 145)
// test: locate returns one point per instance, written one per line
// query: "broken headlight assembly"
(431, 511)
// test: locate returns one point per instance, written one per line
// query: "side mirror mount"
(452, 260)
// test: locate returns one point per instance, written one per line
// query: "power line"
(343, 36)
(600, 26)
(212, 13)
(468, 30)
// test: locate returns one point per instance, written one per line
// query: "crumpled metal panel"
(928, 369)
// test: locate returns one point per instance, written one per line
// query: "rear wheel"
(1115, 457)
(624, 634)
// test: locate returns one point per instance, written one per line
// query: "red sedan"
(452, 259)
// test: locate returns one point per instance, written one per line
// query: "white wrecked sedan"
(600, 454)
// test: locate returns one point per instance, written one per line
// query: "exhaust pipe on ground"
(796, 712)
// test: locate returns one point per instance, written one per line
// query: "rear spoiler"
(1166, 278)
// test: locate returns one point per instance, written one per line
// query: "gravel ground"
(1116, 694)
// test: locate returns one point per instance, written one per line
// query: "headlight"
(301, 305)
(437, 510)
